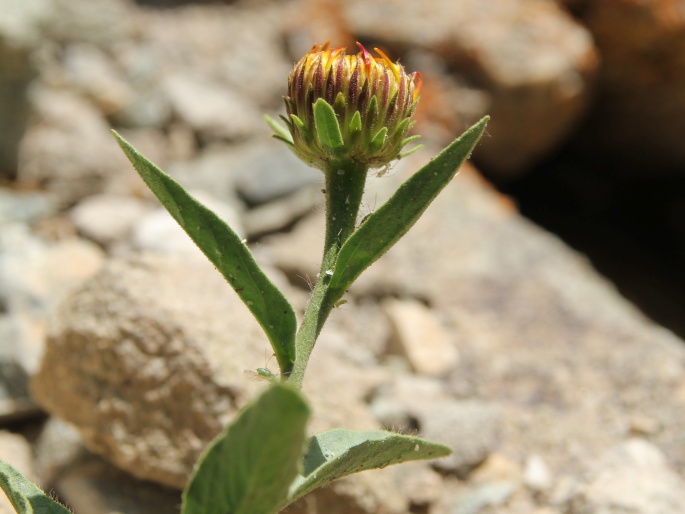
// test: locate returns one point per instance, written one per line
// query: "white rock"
(536, 474)
(107, 219)
(634, 477)
(420, 337)
(214, 110)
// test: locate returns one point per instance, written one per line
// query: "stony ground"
(122, 352)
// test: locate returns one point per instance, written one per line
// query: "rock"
(99, 488)
(470, 428)
(108, 219)
(267, 171)
(488, 495)
(536, 63)
(24, 206)
(92, 73)
(633, 476)
(59, 447)
(102, 24)
(640, 112)
(536, 326)
(419, 336)
(69, 147)
(214, 111)
(34, 275)
(368, 493)
(157, 231)
(16, 451)
(147, 361)
(278, 215)
(154, 325)
(419, 483)
(20, 35)
(234, 41)
(537, 475)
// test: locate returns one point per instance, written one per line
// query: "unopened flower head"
(372, 98)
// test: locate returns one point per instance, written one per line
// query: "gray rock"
(96, 487)
(277, 215)
(103, 23)
(90, 72)
(59, 447)
(157, 231)
(24, 207)
(69, 148)
(21, 26)
(470, 428)
(213, 110)
(108, 219)
(634, 477)
(269, 170)
(536, 327)
(235, 42)
(488, 495)
(34, 275)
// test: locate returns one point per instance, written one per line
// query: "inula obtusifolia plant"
(346, 114)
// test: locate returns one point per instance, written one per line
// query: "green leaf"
(279, 132)
(327, 126)
(390, 222)
(26, 497)
(337, 453)
(228, 253)
(249, 467)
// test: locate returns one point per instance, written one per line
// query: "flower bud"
(367, 111)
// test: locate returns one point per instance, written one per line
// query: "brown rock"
(533, 60)
(147, 360)
(640, 118)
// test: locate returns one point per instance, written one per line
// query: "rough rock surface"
(569, 364)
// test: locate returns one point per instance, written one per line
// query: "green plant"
(346, 114)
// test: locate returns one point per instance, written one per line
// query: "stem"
(344, 188)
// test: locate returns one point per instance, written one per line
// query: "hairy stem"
(344, 188)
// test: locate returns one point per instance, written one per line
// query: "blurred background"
(587, 106)
(587, 102)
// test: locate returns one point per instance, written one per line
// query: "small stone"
(536, 475)
(488, 495)
(157, 231)
(96, 487)
(420, 337)
(470, 428)
(213, 110)
(108, 219)
(279, 214)
(266, 171)
(16, 451)
(59, 447)
(634, 477)
(421, 484)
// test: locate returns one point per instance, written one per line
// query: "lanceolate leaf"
(228, 253)
(383, 228)
(26, 497)
(249, 467)
(338, 453)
